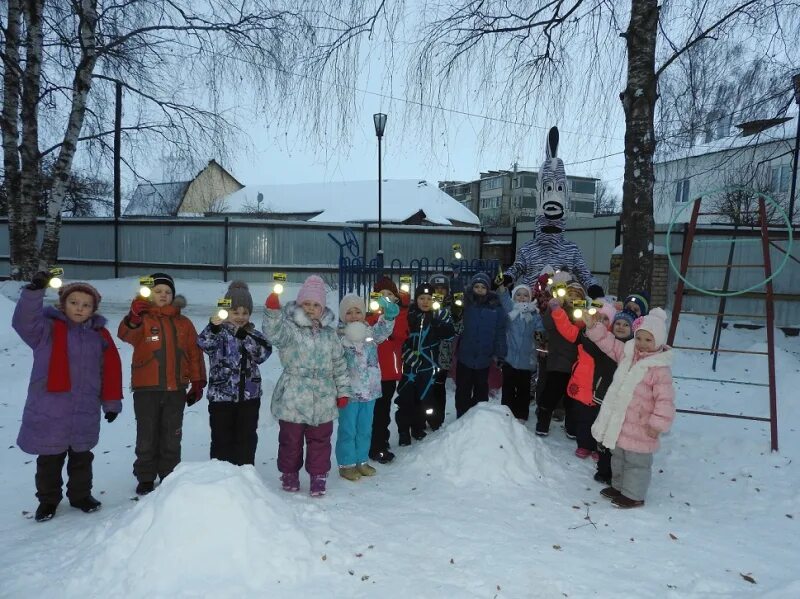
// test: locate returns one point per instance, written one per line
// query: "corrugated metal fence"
(208, 248)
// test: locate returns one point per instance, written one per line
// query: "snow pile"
(7, 334)
(488, 446)
(210, 523)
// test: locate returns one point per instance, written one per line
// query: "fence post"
(617, 232)
(480, 243)
(225, 252)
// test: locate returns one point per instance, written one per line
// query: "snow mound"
(211, 523)
(488, 445)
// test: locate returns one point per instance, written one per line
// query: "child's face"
(573, 294)
(354, 314)
(239, 317)
(480, 289)
(312, 309)
(645, 342)
(633, 307)
(79, 306)
(522, 296)
(603, 319)
(622, 329)
(389, 295)
(425, 302)
(161, 296)
(443, 291)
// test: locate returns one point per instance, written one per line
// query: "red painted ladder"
(770, 319)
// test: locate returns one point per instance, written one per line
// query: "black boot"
(45, 512)
(382, 457)
(87, 505)
(145, 487)
(404, 439)
(419, 435)
(542, 422)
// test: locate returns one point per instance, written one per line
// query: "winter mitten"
(508, 282)
(390, 309)
(39, 281)
(341, 402)
(195, 392)
(273, 302)
(139, 307)
(111, 416)
(595, 291)
(554, 304)
(241, 332)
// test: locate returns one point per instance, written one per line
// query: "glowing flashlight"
(550, 280)
(405, 287)
(55, 279)
(223, 305)
(278, 288)
(577, 313)
(279, 278)
(374, 305)
(145, 285)
(457, 251)
(222, 313)
(437, 306)
(429, 411)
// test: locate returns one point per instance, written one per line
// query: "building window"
(492, 183)
(582, 206)
(780, 180)
(586, 187)
(529, 181)
(490, 203)
(682, 191)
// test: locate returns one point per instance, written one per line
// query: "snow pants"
(413, 390)
(583, 417)
(159, 429)
(517, 391)
(631, 472)
(318, 447)
(382, 418)
(234, 435)
(49, 481)
(472, 386)
(555, 387)
(354, 434)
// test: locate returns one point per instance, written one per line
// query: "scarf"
(522, 310)
(58, 380)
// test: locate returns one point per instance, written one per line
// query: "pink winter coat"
(640, 395)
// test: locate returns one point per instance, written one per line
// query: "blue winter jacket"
(233, 361)
(520, 336)
(484, 334)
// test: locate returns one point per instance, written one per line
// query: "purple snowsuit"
(54, 422)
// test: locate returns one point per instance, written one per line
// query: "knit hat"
(641, 299)
(313, 289)
(439, 280)
(624, 315)
(239, 294)
(481, 278)
(386, 284)
(574, 285)
(655, 323)
(423, 288)
(518, 287)
(351, 300)
(162, 278)
(66, 290)
(609, 310)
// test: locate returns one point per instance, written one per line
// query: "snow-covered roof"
(157, 199)
(354, 201)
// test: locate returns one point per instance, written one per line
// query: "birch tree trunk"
(81, 85)
(22, 237)
(638, 101)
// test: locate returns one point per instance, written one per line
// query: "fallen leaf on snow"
(673, 537)
(748, 578)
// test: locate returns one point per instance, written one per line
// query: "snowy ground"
(482, 508)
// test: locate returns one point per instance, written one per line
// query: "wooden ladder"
(720, 314)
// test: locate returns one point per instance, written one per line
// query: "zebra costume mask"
(552, 180)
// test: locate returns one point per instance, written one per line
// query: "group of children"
(347, 368)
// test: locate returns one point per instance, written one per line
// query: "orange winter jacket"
(581, 383)
(165, 351)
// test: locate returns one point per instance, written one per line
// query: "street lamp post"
(796, 82)
(380, 126)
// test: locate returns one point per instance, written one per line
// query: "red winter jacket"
(390, 352)
(581, 383)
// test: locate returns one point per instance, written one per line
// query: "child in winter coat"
(427, 328)
(360, 343)
(562, 353)
(638, 407)
(437, 405)
(483, 339)
(390, 358)
(620, 326)
(235, 349)
(313, 383)
(76, 373)
(166, 359)
(521, 360)
(637, 303)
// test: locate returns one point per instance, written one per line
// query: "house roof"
(157, 199)
(355, 201)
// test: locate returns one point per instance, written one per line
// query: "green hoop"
(781, 266)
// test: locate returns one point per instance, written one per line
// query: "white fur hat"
(351, 300)
(655, 323)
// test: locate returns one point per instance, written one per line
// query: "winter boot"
(405, 439)
(602, 478)
(382, 457)
(542, 422)
(582, 453)
(145, 487)
(290, 482)
(366, 470)
(610, 493)
(350, 473)
(559, 415)
(318, 485)
(45, 512)
(625, 503)
(419, 435)
(87, 505)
